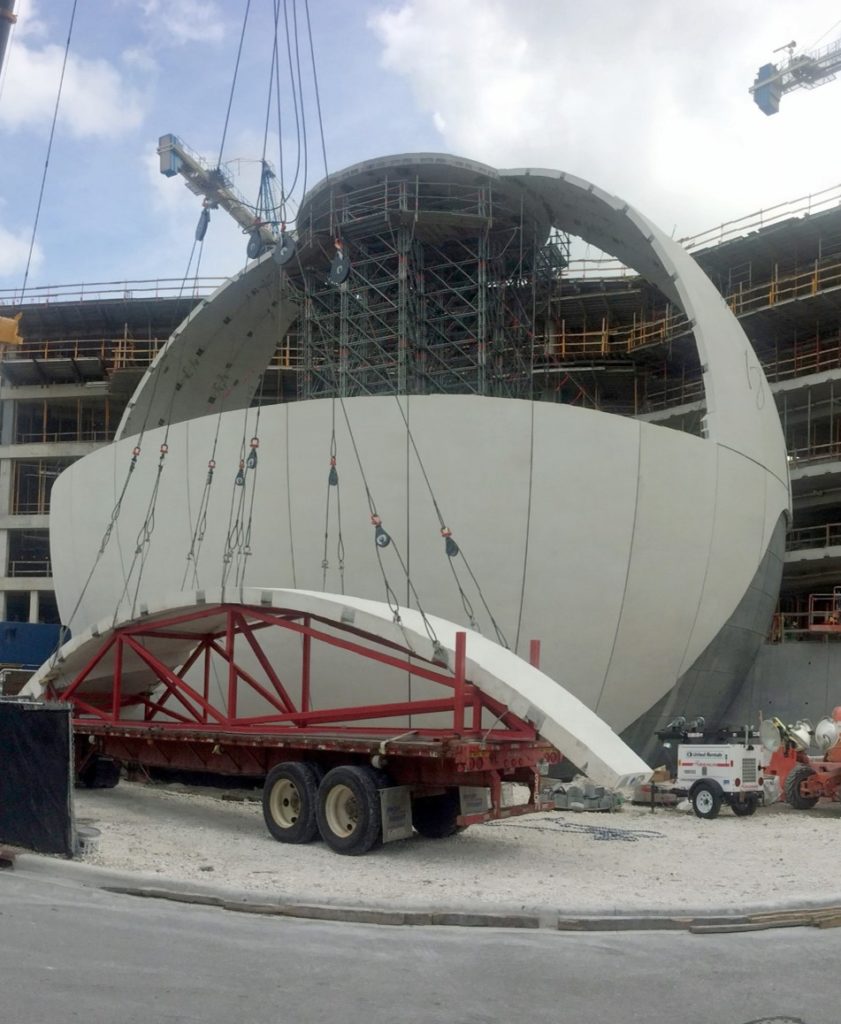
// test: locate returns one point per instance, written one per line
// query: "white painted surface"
(604, 568)
(215, 358)
(640, 544)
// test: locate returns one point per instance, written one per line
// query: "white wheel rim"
(285, 803)
(704, 801)
(341, 810)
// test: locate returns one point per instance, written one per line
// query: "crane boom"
(214, 183)
(7, 20)
(800, 71)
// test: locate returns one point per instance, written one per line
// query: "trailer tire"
(706, 799)
(290, 796)
(746, 806)
(434, 817)
(792, 788)
(348, 809)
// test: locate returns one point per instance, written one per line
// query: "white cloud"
(140, 58)
(14, 249)
(647, 100)
(185, 21)
(95, 101)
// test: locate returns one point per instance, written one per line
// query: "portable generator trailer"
(147, 692)
(722, 773)
(710, 772)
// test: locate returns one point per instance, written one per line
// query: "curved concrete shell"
(640, 549)
(526, 691)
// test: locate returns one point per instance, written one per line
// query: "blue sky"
(648, 99)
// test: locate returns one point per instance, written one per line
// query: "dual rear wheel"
(300, 803)
(343, 806)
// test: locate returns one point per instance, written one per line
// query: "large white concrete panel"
(667, 569)
(558, 716)
(593, 541)
(737, 539)
(629, 525)
(740, 409)
(216, 357)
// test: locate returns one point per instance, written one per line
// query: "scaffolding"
(451, 283)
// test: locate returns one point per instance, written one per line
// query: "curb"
(826, 917)
(698, 922)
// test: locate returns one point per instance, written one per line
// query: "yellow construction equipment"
(9, 333)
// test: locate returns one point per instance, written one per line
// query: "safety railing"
(153, 288)
(92, 435)
(826, 535)
(823, 275)
(828, 451)
(815, 202)
(39, 567)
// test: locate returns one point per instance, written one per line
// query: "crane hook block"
(333, 477)
(284, 250)
(256, 246)
(381, 538)
(450, 547)
(339, 267)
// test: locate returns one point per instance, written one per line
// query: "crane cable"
(251, 464)
(382, 540)
(233, 83)
(144, 536)
(451, 548)
(315, 86)
(49, 148)
(200, 528)
(333, 483)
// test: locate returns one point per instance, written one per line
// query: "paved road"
(68, 953)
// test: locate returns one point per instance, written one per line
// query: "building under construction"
(436, 277)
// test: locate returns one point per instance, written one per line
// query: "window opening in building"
(29, 553)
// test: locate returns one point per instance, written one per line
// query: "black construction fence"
(36, 776)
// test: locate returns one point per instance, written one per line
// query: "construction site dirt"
(626, 861)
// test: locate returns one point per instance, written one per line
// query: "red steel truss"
(172, 705)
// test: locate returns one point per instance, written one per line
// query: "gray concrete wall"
(790, 680)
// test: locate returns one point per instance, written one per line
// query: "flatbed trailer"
(346, 774)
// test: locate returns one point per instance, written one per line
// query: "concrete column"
(5, 486)
(7, 420)
(33, 606)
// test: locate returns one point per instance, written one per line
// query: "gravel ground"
(584, 862)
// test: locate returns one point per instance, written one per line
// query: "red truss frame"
(184, 709)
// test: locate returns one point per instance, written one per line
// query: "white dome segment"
(740, 410)
(526, 691)
(639, 543)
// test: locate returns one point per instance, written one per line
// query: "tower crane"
(217, 188)
(799, 71)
